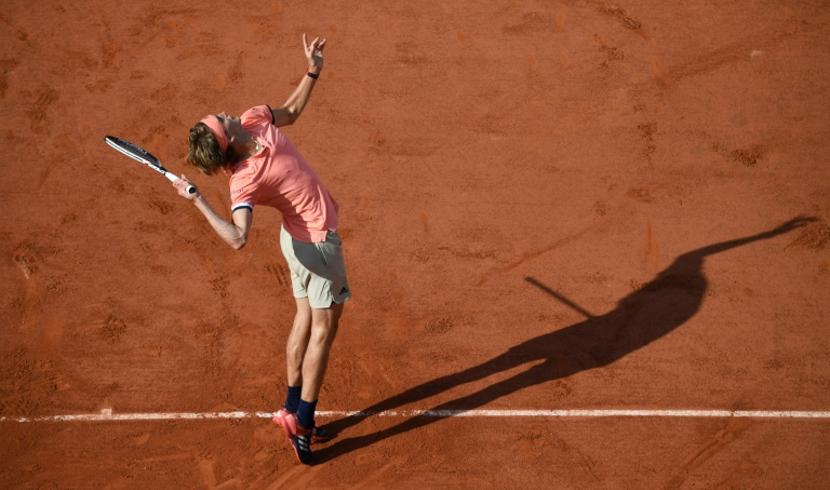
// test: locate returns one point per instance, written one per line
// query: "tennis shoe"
(318, 434)
(299, 436)
(280, 416)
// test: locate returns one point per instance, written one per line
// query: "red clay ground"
(488, 156)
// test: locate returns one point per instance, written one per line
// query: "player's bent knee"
(323, 332)
(294, 351)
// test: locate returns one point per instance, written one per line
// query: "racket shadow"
(652, 311)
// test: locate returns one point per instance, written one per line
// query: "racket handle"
(173, 178)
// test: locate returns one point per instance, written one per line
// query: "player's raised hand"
(314, 52)
(796, 222)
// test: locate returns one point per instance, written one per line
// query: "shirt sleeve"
(243, 193)
(259, 115)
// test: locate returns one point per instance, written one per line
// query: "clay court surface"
(544, 205)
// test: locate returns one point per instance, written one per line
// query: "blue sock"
(305, 413)
(292, 400)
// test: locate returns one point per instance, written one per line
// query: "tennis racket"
(144, 157)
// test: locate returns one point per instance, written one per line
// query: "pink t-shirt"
(278, 176)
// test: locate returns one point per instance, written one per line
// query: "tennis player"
(266, 169)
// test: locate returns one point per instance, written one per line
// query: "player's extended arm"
(235, 232)
(293, 106)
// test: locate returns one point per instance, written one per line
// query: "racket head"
(132, 150)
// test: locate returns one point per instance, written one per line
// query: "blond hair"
(204, 152)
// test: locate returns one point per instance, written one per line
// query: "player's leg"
(324, 324)
(327, 289)
(301, 427)
(296, 347)
(295, 352)
(301, 328)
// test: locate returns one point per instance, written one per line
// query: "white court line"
(107, 415)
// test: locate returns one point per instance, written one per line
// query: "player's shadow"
(645, 315)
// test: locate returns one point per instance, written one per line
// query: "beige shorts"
(318, 270)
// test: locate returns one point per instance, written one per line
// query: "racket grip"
(191, 189)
